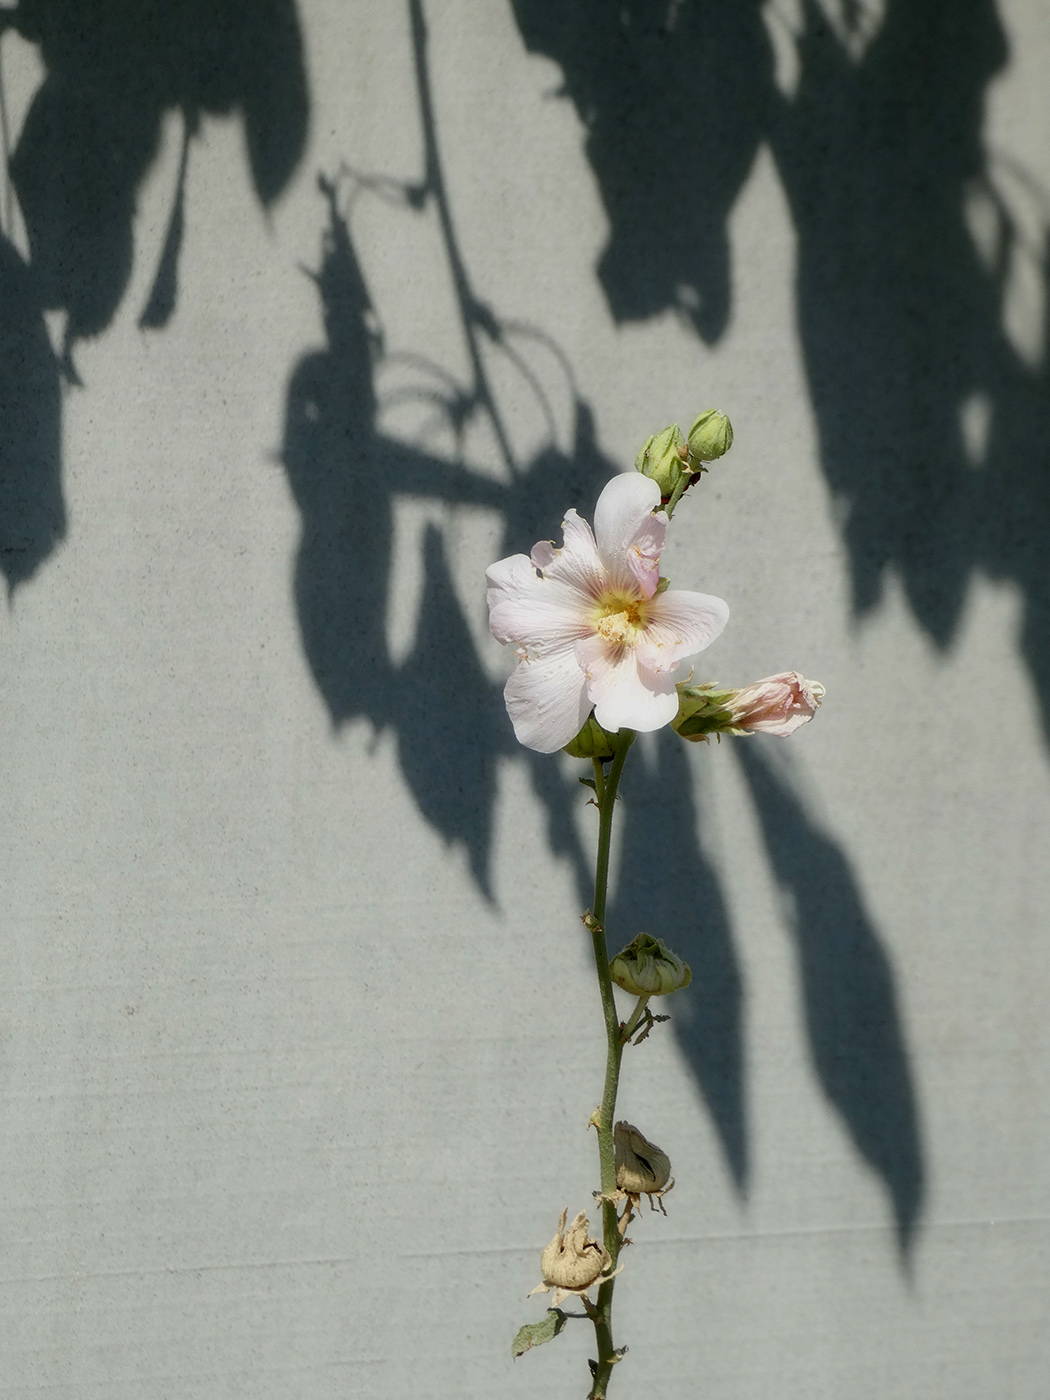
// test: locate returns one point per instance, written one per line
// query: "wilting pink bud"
(777, 705)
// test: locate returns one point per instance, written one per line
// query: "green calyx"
(703, 711)
(591, 742)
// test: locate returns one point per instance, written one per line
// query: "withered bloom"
(572, 1262)
(642, 1168)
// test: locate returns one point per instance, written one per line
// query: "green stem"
(606, 790)
(636, 1016)
(676, 495)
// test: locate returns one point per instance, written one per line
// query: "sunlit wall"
(310, 313)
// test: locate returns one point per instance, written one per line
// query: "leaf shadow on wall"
(346, 475)
(921, 267)
(856, 1039)
(916, 245)
(855, 1036)
(32, 510)
(451, 729)
(112, 70)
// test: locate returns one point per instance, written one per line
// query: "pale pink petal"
(629, 536)
(779, 704)
(547, 700)
(576, 563)
(551, 605)
(679, 624)
(625, 695)
(534, 612)
(783, 729)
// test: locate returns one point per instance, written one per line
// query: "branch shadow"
(346, 475)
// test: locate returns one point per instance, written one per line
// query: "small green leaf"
(534, 1334)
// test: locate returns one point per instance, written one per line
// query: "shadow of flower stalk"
(599, 635)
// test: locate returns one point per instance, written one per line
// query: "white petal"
(629, 536)
(508, 577)
(625, 694)
(538, 613)
(680, 624)
(547, 700)
(576, 563)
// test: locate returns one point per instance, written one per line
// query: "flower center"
(621, 621)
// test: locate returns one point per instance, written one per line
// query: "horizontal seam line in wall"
(743, 1238)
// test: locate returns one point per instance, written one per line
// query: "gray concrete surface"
(297, 1036)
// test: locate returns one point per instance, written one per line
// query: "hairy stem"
(606, 791)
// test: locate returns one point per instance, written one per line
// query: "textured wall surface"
(310, 314)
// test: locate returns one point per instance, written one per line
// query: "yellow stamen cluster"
(621, 620)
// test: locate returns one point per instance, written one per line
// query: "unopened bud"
(647, 968)
(710, 436)
(665, 458)
(778, 705)
(642, 1168)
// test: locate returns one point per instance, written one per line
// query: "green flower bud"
(591, 742)
(642, 1168)
(647, 968)
(665, 457)
(710, 436)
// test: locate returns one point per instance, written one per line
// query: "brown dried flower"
(642, 1168)
(572, 1262)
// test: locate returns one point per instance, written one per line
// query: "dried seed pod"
(641, 1167)
(572, 1262)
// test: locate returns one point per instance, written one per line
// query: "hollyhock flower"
(591, 626)
(778, 705)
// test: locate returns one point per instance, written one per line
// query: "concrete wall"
(297, 1034)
